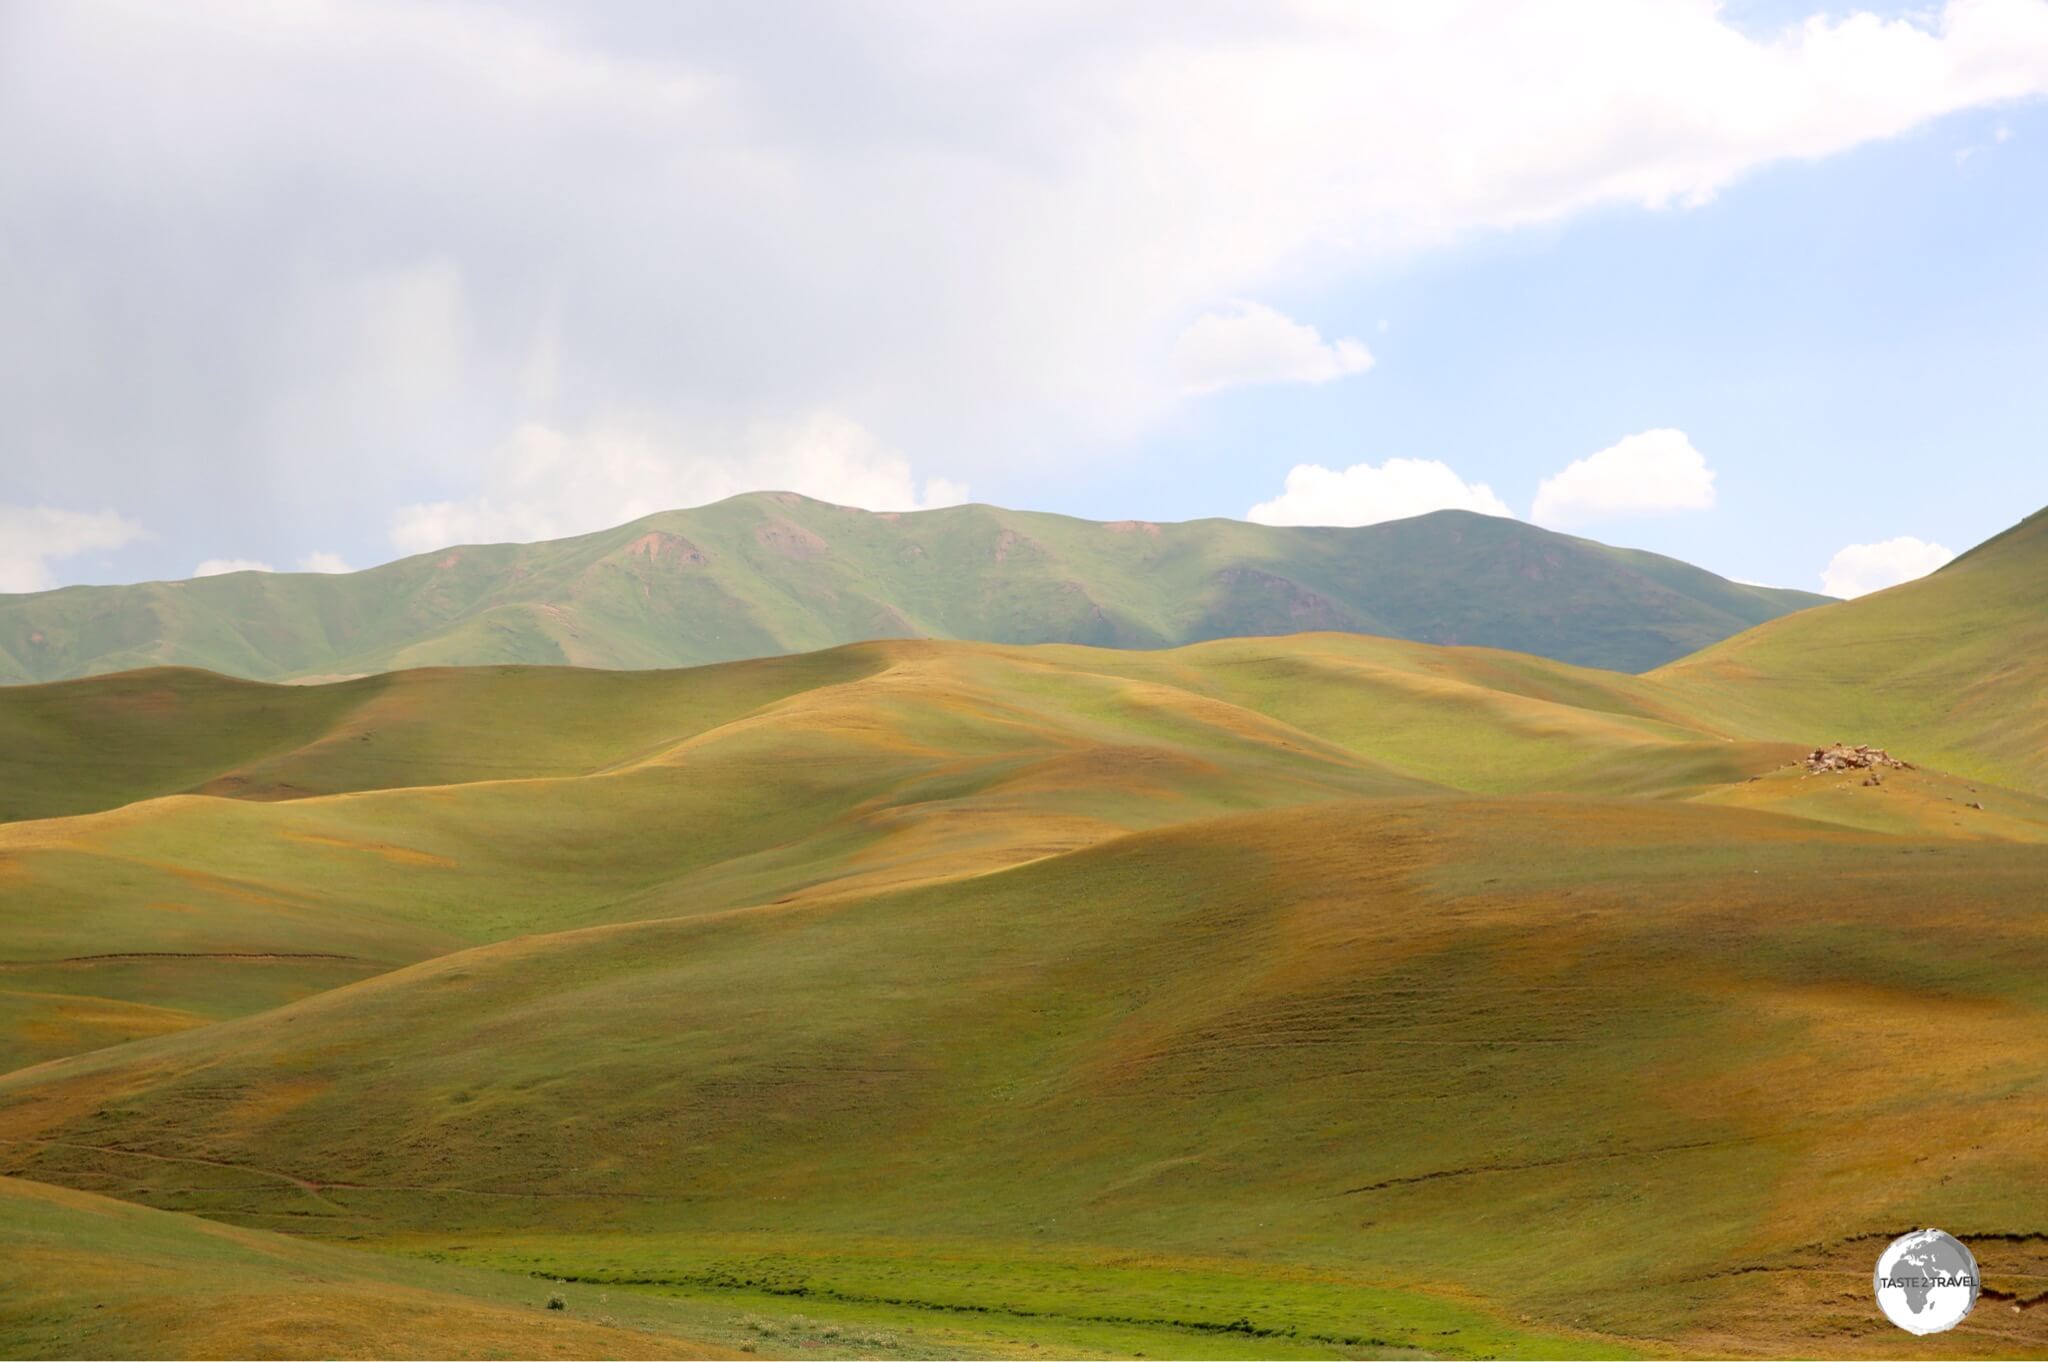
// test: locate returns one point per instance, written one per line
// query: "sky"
(307, 287)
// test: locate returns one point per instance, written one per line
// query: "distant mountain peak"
(774, 572)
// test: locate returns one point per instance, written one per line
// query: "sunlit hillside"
(1953, 667)
(1310, 996)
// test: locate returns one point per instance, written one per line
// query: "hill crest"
(773, 572)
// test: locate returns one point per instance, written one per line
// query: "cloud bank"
(342, 256)
(1252, 343)
(1650, 473)
(1366, 494)
(546, 484)
(33, 539)
(221, 567)
(1860, 569)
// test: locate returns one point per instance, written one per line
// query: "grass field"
(1318, 996)
(214, 1290)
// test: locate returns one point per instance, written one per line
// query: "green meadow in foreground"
(1319, 996)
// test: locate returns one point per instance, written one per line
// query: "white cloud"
(1860, 569)
(1650, 472)
(34, 537)
(546, 484)
(311, 562)
(1253, 343)
(1366, 495)
(979, 228)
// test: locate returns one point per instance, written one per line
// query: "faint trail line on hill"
(2017, 1301)
(415, 1189)
(314, 1188)
(1483, 1168)
(1822, 1247)
(311, 1189)
(189, 955)
(716, 1281)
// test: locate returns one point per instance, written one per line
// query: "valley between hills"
(1316, 994)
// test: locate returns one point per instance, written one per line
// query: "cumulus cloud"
(1366, 494)
(546, 484)
(980, 230)
(33, 538)
(1647, 473)
(1860, 569)
(1252, 343)
(310, 562)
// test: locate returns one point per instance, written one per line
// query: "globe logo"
(1926, 1282)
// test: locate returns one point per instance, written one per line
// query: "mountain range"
(774, 572)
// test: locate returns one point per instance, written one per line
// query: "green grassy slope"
(86, 1276)
(685, 792)
(1315, 996)
(1468, 718)
(445, 808)
(1467, 1076)
(773, 572)
(468, 806)
(97, 743)
(1950, 670)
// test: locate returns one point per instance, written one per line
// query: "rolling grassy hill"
(1953, 667)
(189, 1287)
(381, 822)
(1461, 1076)
(774, 573)
(1314, 996)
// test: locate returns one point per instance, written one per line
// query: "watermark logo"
(1926, 1282)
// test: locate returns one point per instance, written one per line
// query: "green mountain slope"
(1950, 670)
(776, 573)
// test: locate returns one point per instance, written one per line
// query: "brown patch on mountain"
(1010, 539)
(668, 550)
(788, 540)
(1304, 609)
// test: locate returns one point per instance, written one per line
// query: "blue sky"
(1759, 285)
(1855, 345)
